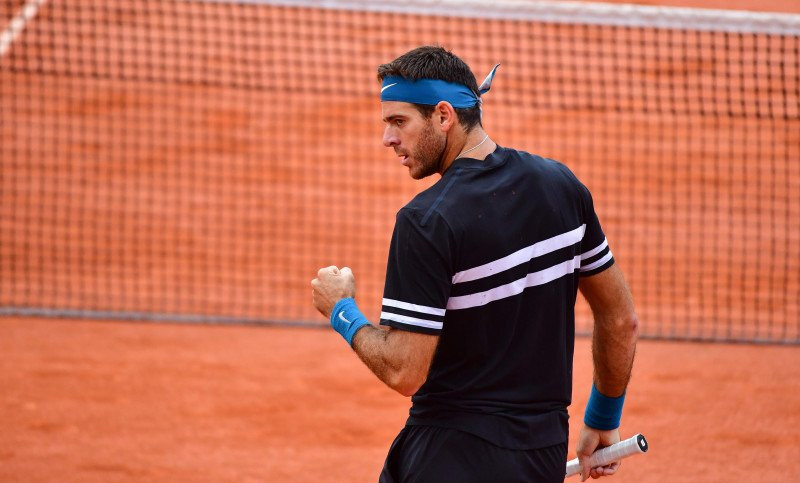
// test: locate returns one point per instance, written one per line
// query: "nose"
(389, 138)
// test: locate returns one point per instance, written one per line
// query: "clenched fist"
(330, 286)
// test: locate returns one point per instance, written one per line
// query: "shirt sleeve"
(418, 274)
(596, 255)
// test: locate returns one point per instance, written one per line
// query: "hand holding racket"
(631, 446)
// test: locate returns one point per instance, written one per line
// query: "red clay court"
(99, 402)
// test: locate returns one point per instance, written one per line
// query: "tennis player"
(477, 324)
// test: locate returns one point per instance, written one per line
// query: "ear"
(445, 116)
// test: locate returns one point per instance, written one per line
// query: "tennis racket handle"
(631, 446)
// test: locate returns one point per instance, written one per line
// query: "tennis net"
(199, 160)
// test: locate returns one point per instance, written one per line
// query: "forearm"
(613, 350)
(400, 358)
(378, 348)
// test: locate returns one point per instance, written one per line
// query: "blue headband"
(431, 91)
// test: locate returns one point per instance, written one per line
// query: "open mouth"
(403, 158)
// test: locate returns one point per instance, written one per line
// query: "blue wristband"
(603, 412)
(346, 319)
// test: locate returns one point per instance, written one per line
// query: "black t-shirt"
(488, 258)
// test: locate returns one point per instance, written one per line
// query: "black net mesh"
(203, 159)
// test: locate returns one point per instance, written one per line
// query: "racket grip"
(631, 446)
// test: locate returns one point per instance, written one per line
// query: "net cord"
(549, 11)
(18, 23)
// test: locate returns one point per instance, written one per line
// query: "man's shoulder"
(423, 199)
(425, 202)
(421, 212)
(552, 172)
(532, 161)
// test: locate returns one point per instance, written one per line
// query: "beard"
(428, 153)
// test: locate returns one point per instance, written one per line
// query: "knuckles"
(331, 270)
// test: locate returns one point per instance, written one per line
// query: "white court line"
(17, 25)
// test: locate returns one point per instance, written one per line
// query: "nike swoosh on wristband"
(341, 316)
(386, 87)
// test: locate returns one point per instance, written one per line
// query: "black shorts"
(426, 454)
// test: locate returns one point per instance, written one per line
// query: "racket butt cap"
(642, 443)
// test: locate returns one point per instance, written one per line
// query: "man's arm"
(615, 329)
(613, 349)
(399, 358)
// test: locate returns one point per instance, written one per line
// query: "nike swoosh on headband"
(386, 87)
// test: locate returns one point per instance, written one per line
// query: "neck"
(475, 144)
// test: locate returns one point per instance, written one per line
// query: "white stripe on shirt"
(422, 309)
(594, 251)
(516, 287)
(432, 324)
(598, 263)
(521, 256)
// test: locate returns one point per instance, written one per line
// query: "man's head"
(418, 132)
(434, 62)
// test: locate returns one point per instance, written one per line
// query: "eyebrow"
(393, 117)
